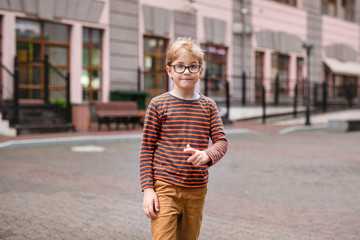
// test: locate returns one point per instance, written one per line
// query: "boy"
(174, 154)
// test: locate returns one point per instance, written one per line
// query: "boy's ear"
(168, 70)
(201, 70)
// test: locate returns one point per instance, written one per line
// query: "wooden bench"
(118, 112)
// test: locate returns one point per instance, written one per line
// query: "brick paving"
(301, 185)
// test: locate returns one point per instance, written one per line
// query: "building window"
(300, 75)
(347, 10)
(215, 67)
(280, 73)
(34, 40)
(345, 86)
(155, 76)
(259, 75)
(92, 67)
(328, 7)
(289, 2)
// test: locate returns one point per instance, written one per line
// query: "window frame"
(91, 69)
(215, 80)
(300, 79)
(259, 75)
(278, 67)
(348, 9)
(325, 7)
(40, 62)
(158, 77)
(341, 85)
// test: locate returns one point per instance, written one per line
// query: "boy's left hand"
(197, 157)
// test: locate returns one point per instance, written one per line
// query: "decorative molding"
(157, 20)
(341, 52)
(82, 10)
(46, 9)
(215, 30)
(279, 41)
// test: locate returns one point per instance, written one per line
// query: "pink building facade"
(113, 45)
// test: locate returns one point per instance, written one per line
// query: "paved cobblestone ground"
(302, 186)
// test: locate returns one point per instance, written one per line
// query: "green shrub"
(128, 95)
(58, 103)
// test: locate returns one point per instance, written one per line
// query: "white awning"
(340, 67)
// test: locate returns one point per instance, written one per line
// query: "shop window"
(155, 77)
(328, 7)
(289, 2)
(280, 73)
(34, 40)
(215, 66)
(92, 67)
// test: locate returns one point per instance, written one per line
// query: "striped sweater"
(170, 124)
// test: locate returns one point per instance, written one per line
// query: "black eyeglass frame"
(187, 67)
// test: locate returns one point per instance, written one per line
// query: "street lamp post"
(243, 12)
(308, 48)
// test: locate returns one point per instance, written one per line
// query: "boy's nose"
(187, 71)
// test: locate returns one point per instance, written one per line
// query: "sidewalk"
(245, 112)
(318, 121)
(296, 186)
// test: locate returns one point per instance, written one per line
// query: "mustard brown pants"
(180, 212)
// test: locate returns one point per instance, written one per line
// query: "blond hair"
(189, 45)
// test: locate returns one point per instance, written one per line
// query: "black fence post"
(315, 92)
(307, 115)
(16, 93)
(243, 88)
(295, 100)
(349, 94)
(263, 105)
(324, 97)
(206, 82)
(138, 79)
(276, 96)
(227, 100)
(308, 48)
(68, 104)
(46, 83)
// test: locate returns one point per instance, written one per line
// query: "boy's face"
(187, 79)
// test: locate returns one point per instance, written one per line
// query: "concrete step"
(5, 128)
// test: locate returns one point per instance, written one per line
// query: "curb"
(56, 141)
(69, 140)
(241, 131)
(301, 128)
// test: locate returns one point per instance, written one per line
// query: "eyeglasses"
(182, 68)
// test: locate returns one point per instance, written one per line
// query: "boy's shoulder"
(208, 100)
(161, 97)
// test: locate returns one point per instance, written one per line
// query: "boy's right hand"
(150, 203)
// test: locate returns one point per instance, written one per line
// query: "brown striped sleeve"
(148, 146)
(217, 135)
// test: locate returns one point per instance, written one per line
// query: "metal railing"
(264, 92)
(56, 85)
(7, 78)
